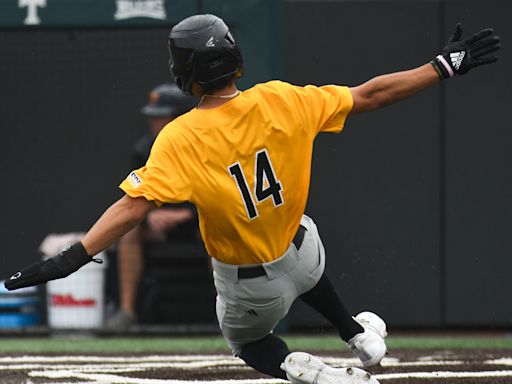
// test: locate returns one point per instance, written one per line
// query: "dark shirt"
(186, 231)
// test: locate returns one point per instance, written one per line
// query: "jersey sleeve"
(164, 178)
(325, 108)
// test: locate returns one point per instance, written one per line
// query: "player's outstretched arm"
(117, 220)
(457, 58)
(391, 88)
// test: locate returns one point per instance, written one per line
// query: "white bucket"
(77, 301)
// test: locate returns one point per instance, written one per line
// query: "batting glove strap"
(461, 55)
(443, 69)
(65, 263)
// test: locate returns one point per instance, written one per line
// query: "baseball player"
(244, 159)
(174, 221)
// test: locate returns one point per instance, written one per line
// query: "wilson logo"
(70, 301)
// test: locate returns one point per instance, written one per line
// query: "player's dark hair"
(218, 84)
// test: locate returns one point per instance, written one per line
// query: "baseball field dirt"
(412, 366)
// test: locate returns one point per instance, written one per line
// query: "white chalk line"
(113, 359)
(501, 361)
(117, 367)
(63, 382)
(197, 361)
(104, 368)
(197, 365)
(113, 379)
(189, 362)
(442, 375)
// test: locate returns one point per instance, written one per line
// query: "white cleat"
(303, 368)
(369, 346)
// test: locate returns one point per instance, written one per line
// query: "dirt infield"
(468, 366)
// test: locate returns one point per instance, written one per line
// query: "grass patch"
(97, 345)
(217, 344)
(409, 342)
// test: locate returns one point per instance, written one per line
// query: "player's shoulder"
(285, 89)
(174, 132)
(273, 91)
(178, 125)
(272, 86)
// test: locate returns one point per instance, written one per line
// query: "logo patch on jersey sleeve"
(134, 180)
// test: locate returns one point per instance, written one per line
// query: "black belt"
(258, 270)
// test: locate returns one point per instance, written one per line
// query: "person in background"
(171, 222)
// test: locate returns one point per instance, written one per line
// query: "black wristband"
(440, 68)
(71, 259)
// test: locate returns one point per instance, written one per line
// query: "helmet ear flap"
(181, 67)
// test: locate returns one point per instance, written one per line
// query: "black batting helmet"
(168, 100)
(203, 52)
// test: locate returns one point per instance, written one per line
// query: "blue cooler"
(20, 308)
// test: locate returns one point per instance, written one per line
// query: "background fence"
(413, 201)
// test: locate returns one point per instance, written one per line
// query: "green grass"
(97, 345)
(423, 342)
(217, 344)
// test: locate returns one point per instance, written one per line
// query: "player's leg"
(130, 268)
(249, 305)
(247, 320)
(249, 308)
(364, 336)
(324, 299)
(271, 356)
(129, 261)
(266, 355)
(248, 332)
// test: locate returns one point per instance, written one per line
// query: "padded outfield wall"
(413, 202)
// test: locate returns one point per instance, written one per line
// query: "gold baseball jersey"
(246, 166)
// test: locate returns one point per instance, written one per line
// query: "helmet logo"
(210, 42)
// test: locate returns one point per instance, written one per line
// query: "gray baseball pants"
(248, 309)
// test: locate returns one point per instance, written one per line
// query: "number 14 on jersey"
(266, 184)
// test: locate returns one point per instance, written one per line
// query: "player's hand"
(459, 56)
(65, 263)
